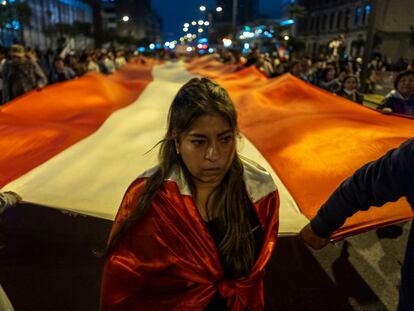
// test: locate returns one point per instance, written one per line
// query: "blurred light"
(246, 46)
(227, 42)
(242, 37)
(286, 38)
(210, 50)
(194, 36)
(185, 29)
(368, 8)
(193, 23)
(4, 2)
(199, 46)
(200, 22)
(202, 51)
(287, 22)
(172, 46)
(125, 18)
(203, 40)
(189, 35)
(152, 46)
(189, 49)
(186, 25)
(167, 44)
(202, 8)
(219, 9)
(200, 30)
(207, 23)
(141, 49)
(248, 34)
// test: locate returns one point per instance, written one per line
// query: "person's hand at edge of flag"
(311, 239)
(16, 196)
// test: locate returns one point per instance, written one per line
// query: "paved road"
(49, 264)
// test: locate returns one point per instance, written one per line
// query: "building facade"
(41, 30)
(247, 11)
(327, 19)
(142, 21)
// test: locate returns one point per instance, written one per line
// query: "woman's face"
(208, 149)
(406, 85)
(350, 84)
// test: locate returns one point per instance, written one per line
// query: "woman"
(349, 89)
(401, 100)
(196, 231)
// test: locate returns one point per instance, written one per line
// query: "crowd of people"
(341, 77)
(23, 70)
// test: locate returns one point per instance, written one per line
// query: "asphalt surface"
(48, 262)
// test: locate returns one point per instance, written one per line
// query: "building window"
(339, 20)
(357, 16)
(317, 23)
(331, 20)
(324, 19)
(346, 23)
(367, 12)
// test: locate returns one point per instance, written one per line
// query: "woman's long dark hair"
(229, 200)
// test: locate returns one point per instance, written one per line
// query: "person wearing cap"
(400, 100)
(20, 75)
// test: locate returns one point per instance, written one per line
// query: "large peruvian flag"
(78, 145)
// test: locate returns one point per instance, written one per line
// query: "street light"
(202, 8)
(125, 18)
(219, 9)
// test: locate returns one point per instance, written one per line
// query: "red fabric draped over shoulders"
(169, 261)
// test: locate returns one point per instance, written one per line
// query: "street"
(50, 263)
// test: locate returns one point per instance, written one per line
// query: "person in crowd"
(328, 80)
(21, 75)
(253, 58)
(2, 62)
(75, 65)
(90, 63)
(196, 231)
(349, 89)
(60, 72)
(376, 183)
(119, 59)
(7, 200)
(227, 57)
(401, 99)
(106, 63)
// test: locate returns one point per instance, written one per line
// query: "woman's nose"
(212, 153)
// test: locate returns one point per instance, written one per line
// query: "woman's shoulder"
(258, 180)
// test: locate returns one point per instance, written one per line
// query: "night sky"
(176, 12)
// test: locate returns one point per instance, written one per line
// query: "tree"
(296, 11)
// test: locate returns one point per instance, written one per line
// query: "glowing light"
(200, 30)
(189, 35)
(206, 23)
(286, 38)
(4, 2)
(200, 22)
(152, 46)
(227, 42)
(219, 9)
(189, 49)
(186, 25)
(125, 18)
(210, 50)
(193, 23)
(185, 29)
(287, 22)
(202, 8)
(167, 44)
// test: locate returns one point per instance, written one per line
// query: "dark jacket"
(376, 183)
(398, 104)
(355, 97)
(29, 73)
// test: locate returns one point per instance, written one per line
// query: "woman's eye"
(198, 142)
(226, 139)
